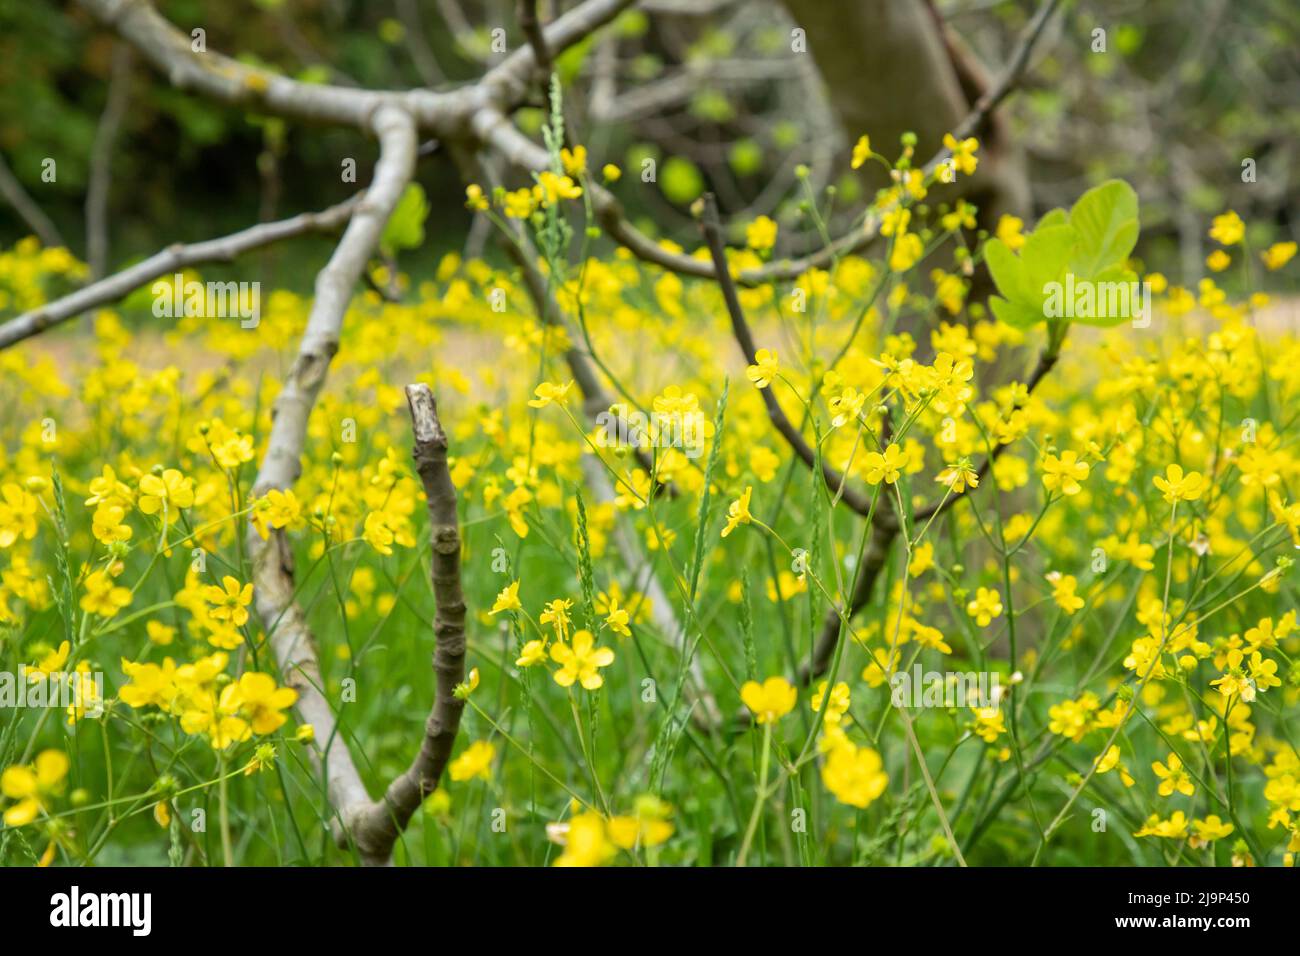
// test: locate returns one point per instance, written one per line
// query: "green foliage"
(1091, 243)
(405, 228)
(681, 180)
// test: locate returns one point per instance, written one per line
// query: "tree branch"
(168, 261)
(884, 528)
(375, 828)
(835, 480)
(493, 129)
(273, 573)
(101, 160)
(532, 28)
(32, 214)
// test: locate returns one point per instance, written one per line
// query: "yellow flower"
(760, 235)
(908, 249)
(1278, 255)
(1173, 777)
(1175, 828)
(33, 787)
(474, 198)
(1064, 473)
(958, 477)
(107, 489)
(550, 189)
(1211, 829)
(738, 511)
(769, 701)
(580, 661)
(922, 559)
(861, 151)
(989, 723)
(985, 607)
(1177, 486)
(963, 153)
(230, 601)
(1227, 229)
(474, 761)
(277, 509)
(1063, 587)
(585, 840)
(151, 685)
(574, 160)
(556, 613)
(617, 618)
(854, 775)
(765, 372)
(1008, 230)
(1218, 260)
(1263, 672)
(533, 652)
(846, 406)
(886, 467)
(649, 825)
(107, 524)
(549, 392)
(377, 532)
(102, 596)
(839, 702)
(170, 491)
(17, 514)
(50, 663)
(1109, 760)
(519, 204)
(611, 173)
(507, 600)
(260, 701)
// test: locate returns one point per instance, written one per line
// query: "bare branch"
(835, 480)
(101, 160)
(494, 129)
(1011, 75)
(532, 28)
(272, 560)
(170, 260)
(32, 214)
(426, 64)
(507, 84)
(226, 80)
(884, 528)
(377, 827)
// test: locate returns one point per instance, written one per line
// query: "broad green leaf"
(405, 228)
(1045, 255)
(1106, 220)
(1119, 282)
(1008, 272)
(1015, 314)
(1057, 217)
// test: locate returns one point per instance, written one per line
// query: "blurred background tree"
(1174, 95)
